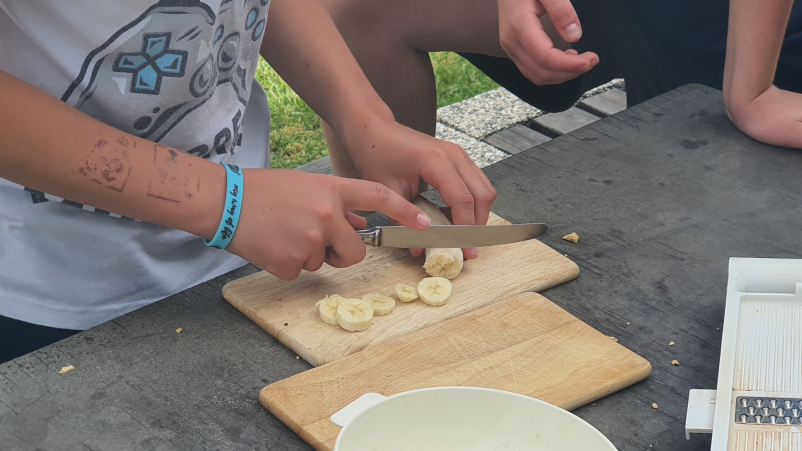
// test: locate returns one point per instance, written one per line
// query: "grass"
(296, 137)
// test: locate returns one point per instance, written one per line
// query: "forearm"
(49, 146)
(303, 45)
(754, 40)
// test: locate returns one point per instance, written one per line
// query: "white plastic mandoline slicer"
(758, 404)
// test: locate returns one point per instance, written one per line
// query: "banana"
(439, 262)
(381, 304)
(354, 315)
(327, 308)
(406, 293)
(443, 262)
(434, 290)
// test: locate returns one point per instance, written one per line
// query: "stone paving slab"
(606, 103)
(481, 153)
(516, 139)
(487, 113)
(567, 121)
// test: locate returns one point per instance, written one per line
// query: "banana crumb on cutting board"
(66, 369)
(613, 338)
(675, 362)
(572, 237)
(179, 330)
(654, 405)
(671, 343)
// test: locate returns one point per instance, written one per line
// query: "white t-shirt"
(177, 72)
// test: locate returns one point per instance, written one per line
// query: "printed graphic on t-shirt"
(179, 74)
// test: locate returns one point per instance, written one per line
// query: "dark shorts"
(655, 45)
(19, 338)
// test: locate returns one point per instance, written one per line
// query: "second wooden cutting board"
(524, 344)
(287, 310)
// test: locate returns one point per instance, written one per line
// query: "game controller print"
(161, 68)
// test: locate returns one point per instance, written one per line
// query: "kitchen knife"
(449, 236)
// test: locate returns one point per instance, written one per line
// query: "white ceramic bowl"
(462, 419)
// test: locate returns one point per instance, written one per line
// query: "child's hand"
(400, 158)
(289, 217)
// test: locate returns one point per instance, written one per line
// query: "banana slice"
(354, 315)
(381, 304)
(406, 293)
(443, 262)
(327, 308)
(434, 290)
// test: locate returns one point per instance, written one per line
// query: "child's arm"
(303, 45)
(51, 147)
(287, 217)
(755, 105)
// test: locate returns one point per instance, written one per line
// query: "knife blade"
(448, 236)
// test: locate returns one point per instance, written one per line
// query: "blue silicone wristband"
(231, 210)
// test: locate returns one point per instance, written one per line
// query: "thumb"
(564, 18)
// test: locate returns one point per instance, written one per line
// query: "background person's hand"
(527, 42)
(288, 217)
(400, 158)
(773, 117)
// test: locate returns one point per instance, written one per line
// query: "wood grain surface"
(287, 310)
(524, 344)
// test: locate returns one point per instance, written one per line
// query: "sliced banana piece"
(327, 308)
(406, 293)
(381, 304)
(443, 262)
(354, 315)
(434, 290)
(439, 262)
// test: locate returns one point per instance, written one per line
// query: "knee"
(353, 14)
(359, 18)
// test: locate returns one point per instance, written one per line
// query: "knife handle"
(371, 237)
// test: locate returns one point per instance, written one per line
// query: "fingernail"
(423, 220)
(572, 32)
(472, 253)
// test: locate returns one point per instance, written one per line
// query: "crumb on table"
(675, 362)
(179, 330)
(654, 405)
(66, 369)
(572, 237)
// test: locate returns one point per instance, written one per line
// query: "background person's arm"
(754, 104)
(304, 46)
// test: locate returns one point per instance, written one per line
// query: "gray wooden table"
(661, 196)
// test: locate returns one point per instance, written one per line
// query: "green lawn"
(296, 137)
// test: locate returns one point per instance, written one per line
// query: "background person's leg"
(391, 40)
(18, 338)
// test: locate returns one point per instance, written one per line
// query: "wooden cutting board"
(287, 310)
(524, 344)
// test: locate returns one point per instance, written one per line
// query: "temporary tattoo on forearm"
(106, 164)
(169, 177)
